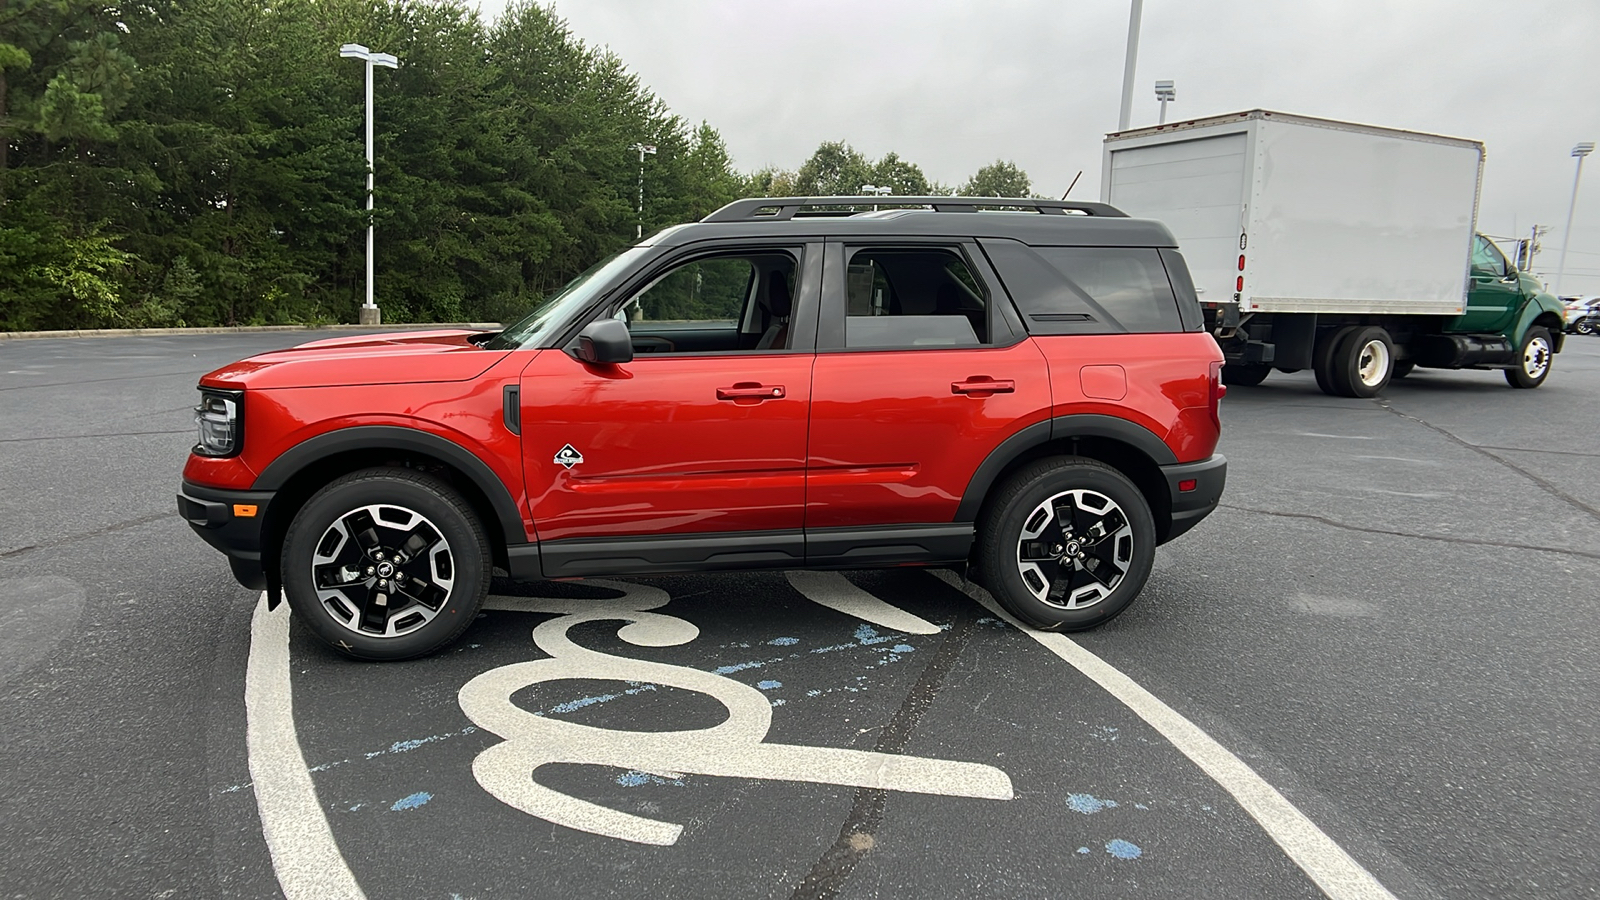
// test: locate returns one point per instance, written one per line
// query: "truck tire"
(1363, 362)
(1532, 364)
(1323, 356)
(386, 564)
(1244, 374)
(1067, 543)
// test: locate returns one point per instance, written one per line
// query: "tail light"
(1218, 391)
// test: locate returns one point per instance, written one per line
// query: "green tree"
(1000, 178)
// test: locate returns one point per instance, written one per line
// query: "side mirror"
(605, 341)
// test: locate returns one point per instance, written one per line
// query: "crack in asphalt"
(1548, 487)
(1531, 450)
(120, 526)
(69, 437)
(857, 836)
(1448, 539)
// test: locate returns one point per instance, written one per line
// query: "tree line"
(201, 162)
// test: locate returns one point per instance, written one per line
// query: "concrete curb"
(239, 329)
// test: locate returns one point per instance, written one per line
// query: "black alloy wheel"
(386, 564)
(1067, 544)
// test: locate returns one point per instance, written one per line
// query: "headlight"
(221, 422)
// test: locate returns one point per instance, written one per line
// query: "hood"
(410, 357)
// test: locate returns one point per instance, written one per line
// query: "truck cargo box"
(1291, 214)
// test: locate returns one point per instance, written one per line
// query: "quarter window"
(1088, 290)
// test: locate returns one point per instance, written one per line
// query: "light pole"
(643, 148)
(369, 314)
(1129, 63)
(873, 190)
(1583, 149)
(1165, 91)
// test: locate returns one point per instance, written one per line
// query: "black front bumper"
(1189, 507)
(231, 521)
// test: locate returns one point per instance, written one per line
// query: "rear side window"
(1088, 290)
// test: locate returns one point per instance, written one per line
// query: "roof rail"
(777, 209)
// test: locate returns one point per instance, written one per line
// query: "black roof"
(1030, 220)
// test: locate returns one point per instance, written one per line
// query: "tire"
(1043, 592)
(1583, 326)
(1403, 368)
(1363, 362)
(1323, 356)
(1532, 363)
(1244, 374)
(410, 516)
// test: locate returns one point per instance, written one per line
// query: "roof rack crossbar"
(777, 209)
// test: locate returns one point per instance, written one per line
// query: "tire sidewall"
(1003, 530)
(468, 547)
(1325, 356)
(1347, 362)
(1517, 375)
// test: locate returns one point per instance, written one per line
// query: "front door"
(917, 378)
(1495, 293)
(703, 432)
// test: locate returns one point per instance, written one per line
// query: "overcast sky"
(953, 86)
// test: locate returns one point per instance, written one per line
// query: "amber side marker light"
(244, 510)
(1187, 485)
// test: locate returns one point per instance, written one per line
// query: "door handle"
(749, 390)
(983, 384)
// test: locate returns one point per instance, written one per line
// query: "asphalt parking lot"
(1393, 623)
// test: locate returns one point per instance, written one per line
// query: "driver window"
(1487, 256)
(718, 304)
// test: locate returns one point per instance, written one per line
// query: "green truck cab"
(1509, 305)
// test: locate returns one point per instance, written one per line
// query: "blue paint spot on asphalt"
(901, 648)
(1088, 804)
(420, 798)
(813, 693)
(1084, 850)
(581, 702)
(737, 667)
(769, 685)
(633, 779)
(784, 642)
(1121, 849)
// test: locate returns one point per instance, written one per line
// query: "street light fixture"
(369, 314)
(1165, 91)
(1583, 149)
(643, 148)
(873, 190)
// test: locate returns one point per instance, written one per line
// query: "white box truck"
(1347, 249)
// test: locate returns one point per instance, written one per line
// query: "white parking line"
(833, 590)
(304, 855)
(1334, 871)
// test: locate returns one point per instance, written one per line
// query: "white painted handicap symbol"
(736, 748)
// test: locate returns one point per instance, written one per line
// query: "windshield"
(555, 309)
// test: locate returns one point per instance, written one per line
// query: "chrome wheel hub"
(1075, 548)
(1536, 357)
(382, 571)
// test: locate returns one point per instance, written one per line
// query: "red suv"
(786, 384)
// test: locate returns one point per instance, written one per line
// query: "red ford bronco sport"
(783, 385)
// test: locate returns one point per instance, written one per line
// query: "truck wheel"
(1244, 374)
(1067, 544)
(386, 564)
(1363, 362)
(1323, 357)
(1403, 368)
(1533, 360)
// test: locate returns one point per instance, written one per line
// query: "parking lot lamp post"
(1165, 91)
(1130, 63)
(1583, 149)
(369, 314)
(643, 149)
(876, 191)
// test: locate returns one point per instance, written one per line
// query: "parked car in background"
(1583, 316)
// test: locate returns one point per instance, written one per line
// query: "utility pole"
(1583, 149)
(1129, 63)
(369, 312)
(643, 148)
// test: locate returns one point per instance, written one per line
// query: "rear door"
(920, 373)
(702, 434)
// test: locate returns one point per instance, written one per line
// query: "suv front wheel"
(1067, 544)
(386, 564)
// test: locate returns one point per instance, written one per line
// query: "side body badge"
(568, 456)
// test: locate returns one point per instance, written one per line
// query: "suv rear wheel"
(386, 564)
(1067, 544)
